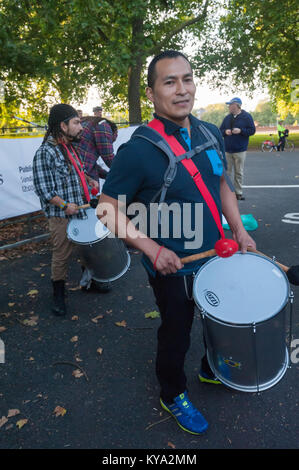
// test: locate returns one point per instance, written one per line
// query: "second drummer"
(62, 186)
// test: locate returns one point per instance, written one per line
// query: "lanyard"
(192, 169)
(80, 171)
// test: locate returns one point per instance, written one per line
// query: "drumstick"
(225, 247)
(292, 272)
(204, 254)
(93, 203)
(282, 266)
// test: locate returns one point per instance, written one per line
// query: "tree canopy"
(256, 43)
(70, 45)
(56, 49)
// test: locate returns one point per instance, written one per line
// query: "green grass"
(256, 140)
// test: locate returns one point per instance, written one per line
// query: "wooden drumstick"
(204, 254)
(93, 203)
(282, 266)
(292, 272)
(209, 253)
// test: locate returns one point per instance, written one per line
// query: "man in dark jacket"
(236, 128)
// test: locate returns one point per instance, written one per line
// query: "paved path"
(115, 404)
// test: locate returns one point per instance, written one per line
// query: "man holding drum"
(61, 184)
(138, 173)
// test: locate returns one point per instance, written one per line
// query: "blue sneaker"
(204, 377)
(185, 414)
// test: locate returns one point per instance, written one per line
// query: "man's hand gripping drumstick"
(111, 212)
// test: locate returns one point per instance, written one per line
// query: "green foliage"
(255, 43)
(215, 113)
(55, 50)
(70, 45)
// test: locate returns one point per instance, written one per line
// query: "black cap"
(97, 108)
(61, 112)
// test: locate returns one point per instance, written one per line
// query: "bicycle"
(270, 145)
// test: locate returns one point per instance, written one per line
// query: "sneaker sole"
(179, 424)
(208, 381)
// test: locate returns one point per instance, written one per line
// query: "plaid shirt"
(96, 141)
(54, 176)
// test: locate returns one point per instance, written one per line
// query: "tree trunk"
(134, 78)
(134, 72)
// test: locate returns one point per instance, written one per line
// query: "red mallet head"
(94, 191)
(226, 247)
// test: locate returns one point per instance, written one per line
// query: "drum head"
(87, 231)
(243, 289)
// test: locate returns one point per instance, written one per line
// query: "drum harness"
(155, 133)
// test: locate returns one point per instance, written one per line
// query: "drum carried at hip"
(243, 301)
(105, 256)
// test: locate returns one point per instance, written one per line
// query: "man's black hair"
(151, 71)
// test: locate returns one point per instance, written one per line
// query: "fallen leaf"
(6, 315)
(122, 323)
(3, 421)
(75, 317)
(31, 322)
(100, 350)
(2, 328)
(77, 373)
(59, 411)
(13, 412)
(129, 297)
(74, 288)
(21, 423)
(153, 314)
(170, 444)
(32, 292)
(11, 304)
(74, 339)
(95, 319)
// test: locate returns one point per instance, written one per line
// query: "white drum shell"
(100, 251)
(247, 352)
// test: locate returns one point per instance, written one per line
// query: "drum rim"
(92, 242)
(253, 388)
(241, 325)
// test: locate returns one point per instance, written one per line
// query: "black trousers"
(174, 300)
(281, 143)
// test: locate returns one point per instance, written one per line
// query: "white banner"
(16, 181)
(17, 194)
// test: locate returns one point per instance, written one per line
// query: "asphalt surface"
(114, 403)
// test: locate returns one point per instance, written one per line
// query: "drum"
(104, 255)
(243, 301)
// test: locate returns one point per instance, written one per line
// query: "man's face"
(234, 108)
(73, 129)
(98, 113)
(174, 89)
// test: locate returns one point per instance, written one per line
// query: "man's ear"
(63, 126)
(149, 93)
